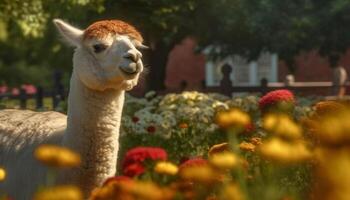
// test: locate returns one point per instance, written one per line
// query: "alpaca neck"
(93, 131)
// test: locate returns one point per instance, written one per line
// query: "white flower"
(150, 94)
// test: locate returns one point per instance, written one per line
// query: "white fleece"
(91, 129)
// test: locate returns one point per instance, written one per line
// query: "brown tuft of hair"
(102, 28)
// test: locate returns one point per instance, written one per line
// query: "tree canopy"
(285, 27)
(29, 42)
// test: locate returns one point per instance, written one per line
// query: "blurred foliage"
(244, 27)
(248, 27)
(30, 48)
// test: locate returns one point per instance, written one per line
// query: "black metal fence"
(58, 93)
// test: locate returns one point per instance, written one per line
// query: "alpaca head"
(107, 54)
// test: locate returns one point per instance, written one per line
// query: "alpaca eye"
(99, 48)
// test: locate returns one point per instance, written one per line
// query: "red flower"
(134, 169)
(135, 119)
(3, 89)
(15, 91)
(193, 162)
(29, 89)
(151, 129)
(133, 162)
(249, 128)
(276, 96)
(117, 179)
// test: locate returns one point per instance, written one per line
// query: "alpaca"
(106, 62)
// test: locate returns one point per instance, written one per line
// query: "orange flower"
(116, 179)
(148, 190)
(219, 148)
(247, 146)
(112, 190)
(193, 162)
(327, 107)
(183, 125)
(256, 141)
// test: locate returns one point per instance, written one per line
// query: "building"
(186, 66)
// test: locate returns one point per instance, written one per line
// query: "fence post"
(263, 85)
(226, 83)
(339, 81)
(22, 98)
(58, 90)
(183, 86)
(39, 97)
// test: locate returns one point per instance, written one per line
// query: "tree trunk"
(157, 60)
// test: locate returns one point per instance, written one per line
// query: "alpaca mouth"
(130, 70)
(128, 74)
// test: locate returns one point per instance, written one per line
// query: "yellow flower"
(201, 174)
(66, 192)
(331, 174)
(219, 148)
(166, 168)
(333, 129)
(233, 118)
(282, 126)
(2, 174)
(56, 156)
(247, 146)
(224, 160)
(284, 152)
(231, 192)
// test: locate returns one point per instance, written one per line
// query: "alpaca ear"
(71, 34)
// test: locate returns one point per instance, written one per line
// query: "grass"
(31, 104)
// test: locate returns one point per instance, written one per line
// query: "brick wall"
(185, 65)
(312, 67)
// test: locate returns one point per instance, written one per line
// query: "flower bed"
(208, 146)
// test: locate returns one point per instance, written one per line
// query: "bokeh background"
(189, 40)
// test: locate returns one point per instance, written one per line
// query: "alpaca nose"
(133, 55)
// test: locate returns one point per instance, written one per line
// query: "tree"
(285, 27)
(241, 27)
(163, 24)
(29, 41)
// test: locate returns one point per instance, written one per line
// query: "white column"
(274, 68)
(209, 73)
(253, 73)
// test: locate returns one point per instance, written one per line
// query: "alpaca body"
(20, 133)
(92, 131)
(106, 62)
